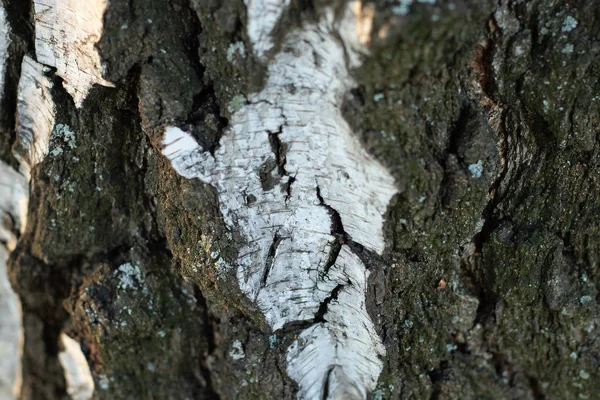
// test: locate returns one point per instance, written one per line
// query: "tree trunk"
(253, 199)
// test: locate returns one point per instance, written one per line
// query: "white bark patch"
(11, 335)
(4, 42)
(35, 121)
(14, 198)
(344, 353)
(66, 32)
(286, 171)
(35, 114)
(80, 384)
(262, 16)
(13, 211)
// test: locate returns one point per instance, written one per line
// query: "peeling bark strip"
(4, 42)
(66, 32)
(13, 211)
(35, 121)
(35, 115)
(80, 384)
(325, 168)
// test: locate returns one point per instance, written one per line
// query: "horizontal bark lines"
(66, 32)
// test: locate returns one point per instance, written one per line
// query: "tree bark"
(254, 199)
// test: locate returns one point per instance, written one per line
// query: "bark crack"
(452, 150)
(320, 315)
(18, 17)
(210, 324)
(279, 150)
(484, 87)
(325, 395)
(300, 325)
(337, 231)
(270, 261)
(205, 122)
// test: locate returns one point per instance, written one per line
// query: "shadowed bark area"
(486, 113)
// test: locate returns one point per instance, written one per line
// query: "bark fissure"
(337, 231)
(279, 150)
(325, 395)
(438, 376)
(269, 262)
(205, 122)
(211, 327)
(481, 69)
(333, 296)
(452, 147)
(320, 315)
(21, 38)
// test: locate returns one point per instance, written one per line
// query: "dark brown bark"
(489, 284)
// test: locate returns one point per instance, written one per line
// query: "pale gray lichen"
(583, 374)
(66, 134)
(404, 6)
(237, 350)
(272, 341)
(569, 24)
(130, 276)
(237, 49)
(236, 103)
(568, 49)
(476, 169)
(57, 151)
(222, 267)
(103, 382)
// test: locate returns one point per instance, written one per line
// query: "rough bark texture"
(487, 115)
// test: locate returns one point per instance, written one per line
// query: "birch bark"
(291, 199)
